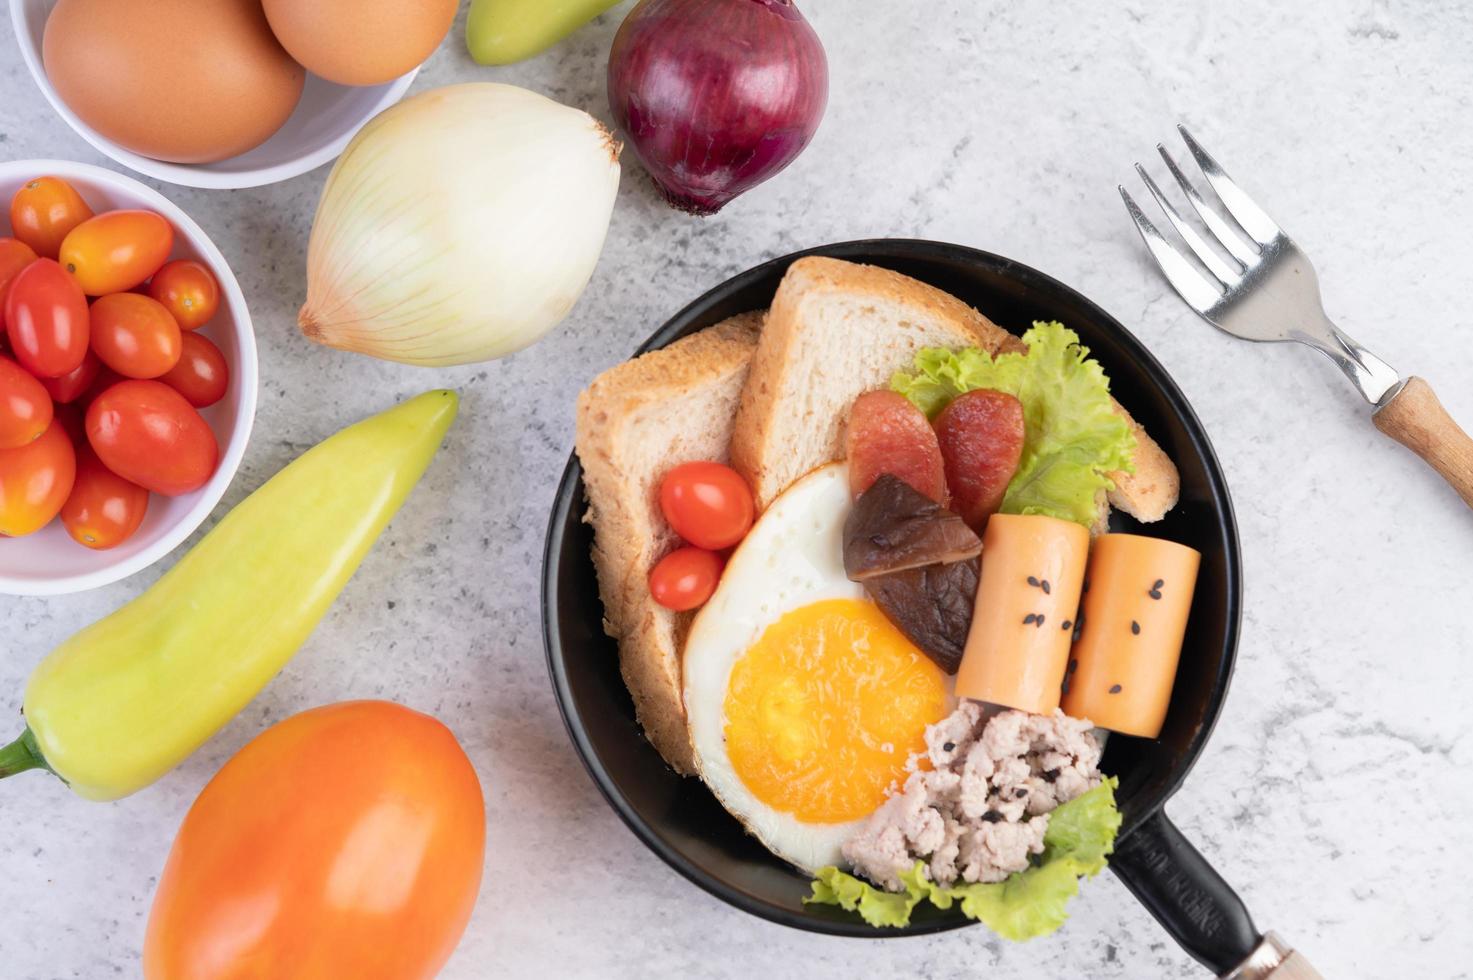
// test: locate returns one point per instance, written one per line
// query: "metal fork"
(1262, 287)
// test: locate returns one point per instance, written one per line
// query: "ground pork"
(976, 805)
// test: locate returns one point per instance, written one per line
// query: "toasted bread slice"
(837, 329)
(636, 421)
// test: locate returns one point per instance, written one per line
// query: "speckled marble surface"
(1337, 791)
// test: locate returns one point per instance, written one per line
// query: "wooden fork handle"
(1416, 419)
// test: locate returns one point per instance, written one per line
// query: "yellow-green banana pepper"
(128, 698)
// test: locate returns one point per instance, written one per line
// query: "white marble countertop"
(1337, 792)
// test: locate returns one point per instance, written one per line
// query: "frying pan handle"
(1175, 883)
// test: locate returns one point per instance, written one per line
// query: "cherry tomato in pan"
(46, 319)
(75, 383)
(685, 578)
(15, 255)
(103, 509)
(146, 432)
(201, 375)
(35, 480)
(25, 407)
(116, 250)
(43, 211)
(188, 290)
(134, 335)
(708, 504)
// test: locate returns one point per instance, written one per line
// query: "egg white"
(792, 557)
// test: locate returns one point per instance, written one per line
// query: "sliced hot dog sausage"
(1018, 646)
(981, 436)
(1135, 615)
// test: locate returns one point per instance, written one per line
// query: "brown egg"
(188, 81)
(360, 42)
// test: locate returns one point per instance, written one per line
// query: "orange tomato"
(188, 290)
(25, 406)
(15, 255)
(116, 250)
(134, 335)
(201, 376)
(43, 211)
(74, 384)
(35, 480)
(103, 509)
(346, 841)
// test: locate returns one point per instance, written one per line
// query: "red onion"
(716, 96)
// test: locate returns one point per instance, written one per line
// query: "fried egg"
(804, 703)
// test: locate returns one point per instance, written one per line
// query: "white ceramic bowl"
(323, 123)
(49, 562)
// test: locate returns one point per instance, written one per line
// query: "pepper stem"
(20, 755)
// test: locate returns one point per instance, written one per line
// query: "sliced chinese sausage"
(887, 434)
(981, 438)
(893, 527)
(1027, 596)
(1135, 616)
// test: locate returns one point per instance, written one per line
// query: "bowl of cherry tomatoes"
(127, 376)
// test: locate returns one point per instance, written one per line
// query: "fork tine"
(1225, 234)
(1200, 248)
(1200, 292)
(1249, 215)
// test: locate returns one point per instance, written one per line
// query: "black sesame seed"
(1085, 586)
(1159, 582)
(1073, 666)
(1019, 793)
(1049, 775)
(1044, 585)
(1115, 689)
(948, 746)
(1029, 618)
(1039, 620)
(1033, 581)
(1066, 625)
(992, 816)
(1135, 628)
(1064, 687)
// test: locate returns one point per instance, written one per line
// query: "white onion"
(459, 225)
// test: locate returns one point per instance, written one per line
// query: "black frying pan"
(682, 822)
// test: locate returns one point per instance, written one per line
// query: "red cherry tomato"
(146, 432)
(25, 408)
(103, 509)
(72, 385)
(134, 335)
(43, 211)
(685, 578)
(46, 320)
(188, 290)
(116, 250)
(201, 375)
(707, 504)
(35, 480)
(15, 255)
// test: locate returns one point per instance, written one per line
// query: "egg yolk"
(823, 711)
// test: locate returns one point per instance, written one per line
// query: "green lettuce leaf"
(1073, 436)
(1079, 838)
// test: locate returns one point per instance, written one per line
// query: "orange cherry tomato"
(188, 290)
(35, 480)
(25, 407)
(116, 250)
(15, 255)
(72, 385)
(103, 509)
(134, 335)
(146, 432)
(201, 375)
(43, 211)
(707, 504)
(46, 319)
(346, 841)
(685, 578)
